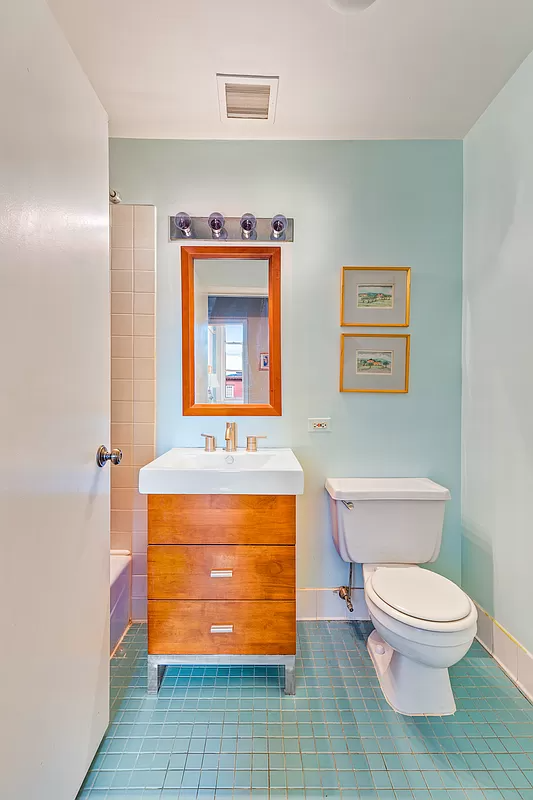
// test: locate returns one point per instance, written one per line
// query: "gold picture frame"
(375, 362)
(363, 305)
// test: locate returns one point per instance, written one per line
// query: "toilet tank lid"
(356, 489)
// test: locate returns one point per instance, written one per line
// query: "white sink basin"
(186, 470)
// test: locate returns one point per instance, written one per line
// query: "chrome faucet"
(231, 437)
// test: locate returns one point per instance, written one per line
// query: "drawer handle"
(221, 628)
(222, 573)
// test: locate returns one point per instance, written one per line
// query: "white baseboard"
(325, 603)
(513, 658)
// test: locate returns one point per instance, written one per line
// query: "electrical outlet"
(319, 424)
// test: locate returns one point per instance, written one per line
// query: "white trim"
(324, 603)
(509, 654)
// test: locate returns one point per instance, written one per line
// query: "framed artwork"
(374, 362)
(375, 296)
(263, 362)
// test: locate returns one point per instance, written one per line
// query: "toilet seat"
(420, 598)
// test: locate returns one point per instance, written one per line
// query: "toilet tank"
(387, 520)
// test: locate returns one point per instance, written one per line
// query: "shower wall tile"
(132, 382)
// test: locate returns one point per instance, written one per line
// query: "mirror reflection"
(231, 331)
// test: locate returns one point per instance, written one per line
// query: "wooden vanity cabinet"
(221, 580)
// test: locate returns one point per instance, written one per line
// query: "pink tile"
(122, 324)
(122, 258)
(144, 260)
(122, 302)
(138, 609)
(144, 325)
(144, 281)
(143, 303)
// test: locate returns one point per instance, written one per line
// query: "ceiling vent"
(247, 97)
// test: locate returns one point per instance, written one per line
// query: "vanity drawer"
(221, 519)
(221, 627)
(221, 572)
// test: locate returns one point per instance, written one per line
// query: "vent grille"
(247, 97)
(247, 101)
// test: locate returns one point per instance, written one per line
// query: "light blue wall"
(366, 203)
(498, 376)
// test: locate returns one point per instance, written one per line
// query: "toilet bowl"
(423, 622)
(423, 625)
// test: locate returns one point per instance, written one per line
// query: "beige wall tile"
(121, 412)
(144, 412)
(144, 325)
(123, 477)
(140, 521)
(121, 280)
(127, 455)
(143, 454)
(144, 281)
(122, 369)
(122, 346)
(525, 672)
(144, 260)
(120, 541)
(143, 391)
(122, 302)
(139, 541)
(143, 433)
(132, 357)
(143, 369)
(144, 226)
(140, 502)
(138, 566)
(506, 651)
(144, 347)
(484, 629)
(139, 609)
(121, 258)
(122, 521)
(122, 390)
(123, 499)
(138, 586)
(121, 434)
(121, 236)
(122, 215)
(143, 304)
(122, 324)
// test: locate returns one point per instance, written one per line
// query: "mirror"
(231, 331)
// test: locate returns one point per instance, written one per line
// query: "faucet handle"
(251, 443)
(210, 442)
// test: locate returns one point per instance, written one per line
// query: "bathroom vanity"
(221, 559)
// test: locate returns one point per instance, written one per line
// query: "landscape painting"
(375, 295)
(374, 362)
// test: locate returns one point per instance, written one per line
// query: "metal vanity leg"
(290, 681)
(155, 674)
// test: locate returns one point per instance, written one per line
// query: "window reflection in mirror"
(231, 331)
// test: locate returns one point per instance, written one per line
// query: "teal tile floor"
(231, 732)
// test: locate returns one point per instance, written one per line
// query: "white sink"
(186, 470)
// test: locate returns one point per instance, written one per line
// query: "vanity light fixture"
(248, 225)
(216, 224)
(184, 223)
(278, 226)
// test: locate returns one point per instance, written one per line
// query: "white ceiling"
(402, 69)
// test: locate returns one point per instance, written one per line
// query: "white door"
(54, 411)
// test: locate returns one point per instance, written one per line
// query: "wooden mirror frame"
(190, 407)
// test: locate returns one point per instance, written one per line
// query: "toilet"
(423, 622)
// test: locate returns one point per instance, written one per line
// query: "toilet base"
(409, 687)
